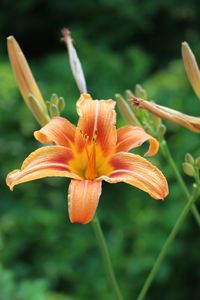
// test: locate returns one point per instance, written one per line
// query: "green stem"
(166, 153)
(106, 258)
(167, 244)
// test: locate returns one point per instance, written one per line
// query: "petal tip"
(10, 180)
(83, 198)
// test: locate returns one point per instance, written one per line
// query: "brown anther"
(86, 137)
(94, 138)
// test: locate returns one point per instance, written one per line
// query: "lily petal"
(129, 137)
(59, 131)
(137, 171)
(44, 162)
(83, 198)
(96, 118)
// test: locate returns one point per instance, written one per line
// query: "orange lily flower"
(89, 153)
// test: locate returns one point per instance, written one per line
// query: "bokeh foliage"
(43, 256)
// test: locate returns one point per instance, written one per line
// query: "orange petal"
(96, 116)
(137, 171)
(129, 137)
(44, 162)
(83, 198)
(59, 131)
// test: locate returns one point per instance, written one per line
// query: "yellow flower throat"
(91, 170)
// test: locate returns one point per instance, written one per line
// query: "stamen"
(85, 138)
(91, 168)
(94, 138)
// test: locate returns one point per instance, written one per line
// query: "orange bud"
(172, 115)
(25, 79)
(191, 68)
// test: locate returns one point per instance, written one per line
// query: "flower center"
(90, 163)
(91, 169)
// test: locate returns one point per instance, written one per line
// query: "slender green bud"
(129, 95)
(140, 92)
(197, 162)
(54, 111)
(161, 130)
(61, 104)
(48, 104)
(54, 99)
(37, 110)
(126, 111)
(156, 121)
(75, 63)
(188, 169)
(189, 158)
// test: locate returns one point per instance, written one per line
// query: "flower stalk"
(168, 243)
(167, 154)
(106, 258)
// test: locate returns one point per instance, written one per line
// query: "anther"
(94, 138)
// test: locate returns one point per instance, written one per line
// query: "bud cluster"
(55, 105)
(137, 116)
(191, 167)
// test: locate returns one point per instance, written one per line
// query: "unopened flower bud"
(161, 130)
(126, 111)
(54, 99)
(23, 75)
(37, 110)
(128, 95)
(61, 104)
(54, 111)
(189, 158)
(172, 115)
(188, 169)
(191, 68)
(74, 61)
(197, 162)
(156, 121)
(140, 92)
(48, 104)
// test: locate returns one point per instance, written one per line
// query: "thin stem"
(166, 153)
(167, 244)
(106, 258)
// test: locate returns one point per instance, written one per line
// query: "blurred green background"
(120, 43)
